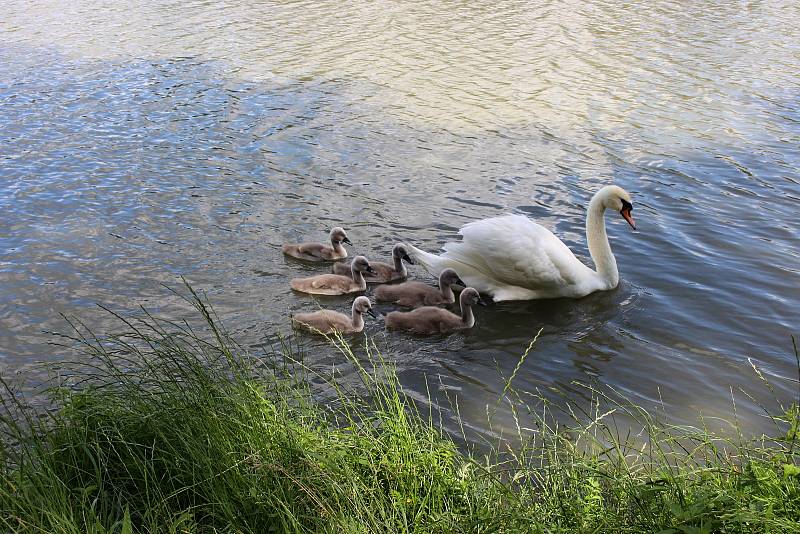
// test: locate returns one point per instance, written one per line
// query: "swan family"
(506, 258)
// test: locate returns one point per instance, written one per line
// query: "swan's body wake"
(513, 258)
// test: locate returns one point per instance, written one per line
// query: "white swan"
(513, 258)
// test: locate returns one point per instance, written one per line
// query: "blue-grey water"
(142, 142)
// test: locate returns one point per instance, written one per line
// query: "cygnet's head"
(449, 277)
(617, 199)
(471, 297)
(361, 265)
(400, 251)
(338, 235)
(363, 305)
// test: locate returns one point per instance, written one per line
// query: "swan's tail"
(431, 262)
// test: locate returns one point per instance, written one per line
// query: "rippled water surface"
(139, 143)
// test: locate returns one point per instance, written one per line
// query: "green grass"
(165, 429)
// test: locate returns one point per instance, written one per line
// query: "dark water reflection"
(131, 158)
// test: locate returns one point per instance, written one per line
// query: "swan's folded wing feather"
(514, 250)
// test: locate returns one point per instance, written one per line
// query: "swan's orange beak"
(626, 214)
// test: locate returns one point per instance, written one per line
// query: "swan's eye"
(626, 206)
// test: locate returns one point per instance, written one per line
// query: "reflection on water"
(141, 143)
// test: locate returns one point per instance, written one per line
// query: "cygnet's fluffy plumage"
(384, 272)
(414, 294)
(335, 284)
(320, 251)
(433, 320)
(328, 321)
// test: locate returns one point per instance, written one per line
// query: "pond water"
(142, 142)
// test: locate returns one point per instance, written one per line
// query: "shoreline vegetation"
(166, 428)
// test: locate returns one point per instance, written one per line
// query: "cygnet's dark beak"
(408, 260)
(460, 282)
(372, 313)
(370, 269)
(481, 302)
(626, 210)
(347, 240)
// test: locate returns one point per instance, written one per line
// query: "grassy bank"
(167, 430)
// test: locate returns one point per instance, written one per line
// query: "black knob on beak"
(626, 210)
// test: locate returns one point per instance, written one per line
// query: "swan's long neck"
(338, 248)
(466, 314)
(358, 319)
(399, 267)
(358, 278)
(597, 239)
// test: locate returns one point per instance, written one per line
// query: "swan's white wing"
(516, 251)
